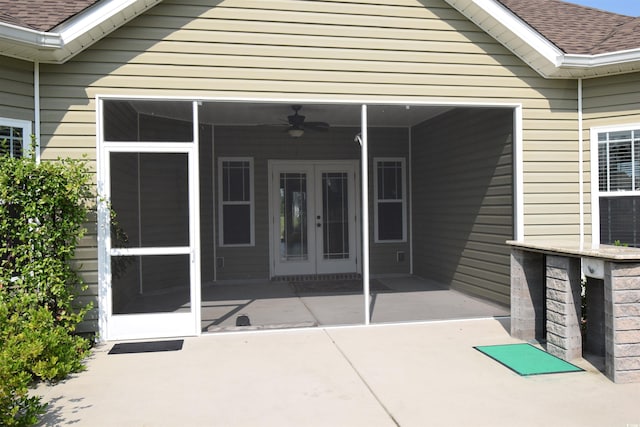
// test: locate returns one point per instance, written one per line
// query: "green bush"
(43, 208)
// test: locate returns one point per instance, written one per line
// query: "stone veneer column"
(622, 321)
(564, 312)
(527, 295)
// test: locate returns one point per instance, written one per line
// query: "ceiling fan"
(297, 123)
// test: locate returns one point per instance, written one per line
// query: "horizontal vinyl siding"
(608, 101)
(463, 200)
(16, 89)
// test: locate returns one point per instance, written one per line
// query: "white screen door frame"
(161, 323)
(305, 253)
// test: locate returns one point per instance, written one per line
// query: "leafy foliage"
(43, 208)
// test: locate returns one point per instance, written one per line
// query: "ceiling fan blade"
(319, 126)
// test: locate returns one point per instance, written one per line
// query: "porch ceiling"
(337, 115)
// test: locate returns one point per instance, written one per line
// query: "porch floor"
(283, 304)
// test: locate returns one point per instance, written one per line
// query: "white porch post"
(364, 160)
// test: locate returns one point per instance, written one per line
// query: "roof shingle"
(578, 29)
(41, 15)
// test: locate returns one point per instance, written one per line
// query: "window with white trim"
(619, 186)
(390, 200)
(235, 195)
(15, 136)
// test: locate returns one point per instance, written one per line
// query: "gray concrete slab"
(425, 374)
(278, 304)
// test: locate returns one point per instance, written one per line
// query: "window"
(618, 192)
(235, 197)
(390, 200)
(15, 136)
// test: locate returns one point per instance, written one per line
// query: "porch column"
(364, 160)
(527, 295)
(564, 310)
(622, 321)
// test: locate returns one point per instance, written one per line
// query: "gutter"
(76, 34)
(38, 39)
(581, 163)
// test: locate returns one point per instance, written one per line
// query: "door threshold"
(317, 277)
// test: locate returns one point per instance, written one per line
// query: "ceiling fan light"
(296, 132)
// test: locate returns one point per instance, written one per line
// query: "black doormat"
(146, 347)
(336, 286)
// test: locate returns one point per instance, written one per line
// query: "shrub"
(43, 208)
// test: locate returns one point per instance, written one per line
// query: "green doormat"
(525, 359)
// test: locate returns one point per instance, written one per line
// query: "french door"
(314, 217)
(152, 261)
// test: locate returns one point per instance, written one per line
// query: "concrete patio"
(420, 374)
(281, 304)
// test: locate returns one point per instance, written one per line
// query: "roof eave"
(73, 36)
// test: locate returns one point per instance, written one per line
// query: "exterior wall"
(608, 101)
(403, 50)
(16, 89)
(463, 200)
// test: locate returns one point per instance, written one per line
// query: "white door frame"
(309, 266)
(152, 325)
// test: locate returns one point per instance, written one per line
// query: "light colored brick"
(557, 284)
(625, 270)
(559, 296)
(627, 363)
(625, 377)
(559, 318)
(627, 323)
(556, 273)
(627, 337)
(627, 350)
(626, 310)
(622, 283)
(564, 342)
(558, 307)
(625, 297)
(563, 330)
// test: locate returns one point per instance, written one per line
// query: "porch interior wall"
(383, 258)
(463, 200)
(207, 208)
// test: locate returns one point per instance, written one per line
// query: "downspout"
(36, 108)
(581, 163)
(364, 159)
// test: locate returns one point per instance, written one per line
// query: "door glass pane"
(335, 218)
(150, 284)
(150, 197)
(293, 217)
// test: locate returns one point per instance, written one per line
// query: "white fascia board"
(96, 15)
(510, 24)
